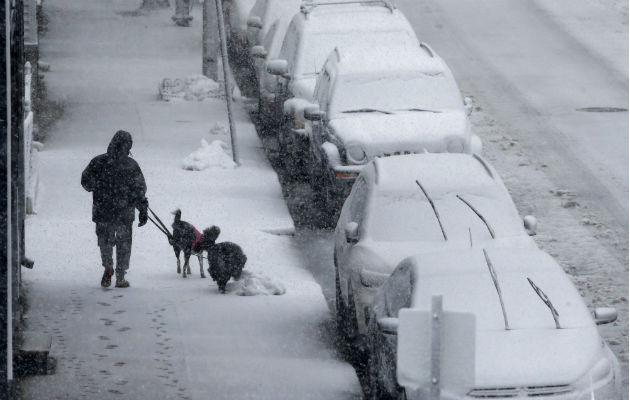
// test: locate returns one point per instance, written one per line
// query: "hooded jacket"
(116, 183)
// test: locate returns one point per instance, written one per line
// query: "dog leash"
(161, 226)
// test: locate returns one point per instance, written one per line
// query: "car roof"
(390, 59)
(351, 17)
(464, 280)
(439, 172)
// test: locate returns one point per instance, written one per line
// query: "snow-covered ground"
(270, 337)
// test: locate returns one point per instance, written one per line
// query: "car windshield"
(418, 92)
(317, 46)
(404, 217)
(401, 217)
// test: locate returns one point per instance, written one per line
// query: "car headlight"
(356, 154)
(602, 381)
(455, 145)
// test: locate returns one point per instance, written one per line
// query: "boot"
(106, 280)
(121, 282)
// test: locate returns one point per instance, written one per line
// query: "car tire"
(375, 389)
(340, 309)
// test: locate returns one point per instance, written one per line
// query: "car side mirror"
(258, 52)
(531, 224)
(254, 22)
(604, 315)
(388, 325)
(352, 232)
(313, 113)
(278, 67)
(468, 105)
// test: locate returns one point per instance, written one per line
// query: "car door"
(317, 133)
(288, 52)
(353, 211)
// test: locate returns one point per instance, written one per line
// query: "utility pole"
(226, 79)
(210, 41)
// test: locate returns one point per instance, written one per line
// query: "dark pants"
(110, 235)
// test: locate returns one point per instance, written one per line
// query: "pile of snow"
(215, 154)
(254, 284)
(191, 88)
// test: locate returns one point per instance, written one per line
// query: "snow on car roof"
(394, 59)
(462, 277)
(352, 17)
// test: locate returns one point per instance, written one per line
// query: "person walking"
(118, 188)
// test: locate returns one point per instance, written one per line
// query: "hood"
(303, 87)
(535, 357)
(120, 145)
(533, 352)
(386, 134)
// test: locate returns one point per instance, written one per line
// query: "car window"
(398, 290)
(258, 9)
(396, 92)
(400, 217)
(289, 46)
(321, 91)
(358, 201)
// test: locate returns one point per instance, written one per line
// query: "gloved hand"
(143, 216)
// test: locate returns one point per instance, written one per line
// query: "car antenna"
(478, 214)
(470, 235)
(493, 274)
(434, 209)
(545, 299)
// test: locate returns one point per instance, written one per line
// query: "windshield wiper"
(435, 211)
(481, 217)
(420, 110)
(545, 299)
(493, 275)
(365, 110)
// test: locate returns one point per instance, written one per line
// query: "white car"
(235, 19)
(380, 101)
(402, 205)
(268, 83)
(315, 31)
(516, 328)
(264, 14)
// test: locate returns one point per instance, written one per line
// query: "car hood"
(535, 357)
(532, 352)
(386, 134)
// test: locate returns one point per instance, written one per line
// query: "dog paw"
(203, 276)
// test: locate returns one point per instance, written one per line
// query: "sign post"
(436, 351)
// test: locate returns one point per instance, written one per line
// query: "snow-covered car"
(264, 14)
(314, 32)
(516, 328)
(380, 101)
(267, 83)
(403, 205)
(235, 19)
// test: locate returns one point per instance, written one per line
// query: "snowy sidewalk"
(166, 337)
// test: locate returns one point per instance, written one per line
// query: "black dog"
(225, 260)
(187, 239)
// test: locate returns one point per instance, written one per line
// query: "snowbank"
(255, 284)
(215, 154)
(191, 88)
